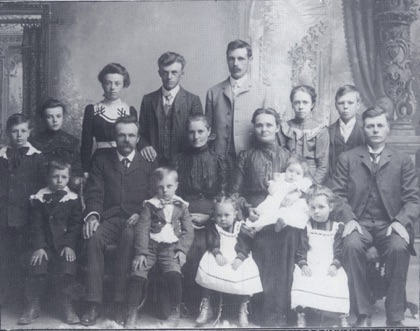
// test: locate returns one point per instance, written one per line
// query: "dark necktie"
(125, 163)
(375, 160)
(54, 197)
(15, 156)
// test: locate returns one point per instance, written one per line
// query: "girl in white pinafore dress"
(227, 265)
(319, 281)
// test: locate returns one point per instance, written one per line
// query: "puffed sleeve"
(322, 156)
(87, 138)
(133, 112)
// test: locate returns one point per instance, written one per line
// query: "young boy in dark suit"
(22, 169)
(163, 235)
(56, 222)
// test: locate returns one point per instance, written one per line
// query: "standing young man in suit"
(347, 132)
(117, 186)
(231, 103)
(163, 113)
(380, 185)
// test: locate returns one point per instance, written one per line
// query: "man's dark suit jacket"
(184, 104)
(396, 179)
(113, 191)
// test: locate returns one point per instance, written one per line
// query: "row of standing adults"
(203, 171)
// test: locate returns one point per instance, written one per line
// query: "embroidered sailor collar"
(46, 190)
(155, 201)
(32, 150)
(110, 111)
(291, 131)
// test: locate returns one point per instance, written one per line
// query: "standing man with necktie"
(231, 103)
(164, 113)
(380, 186)
(115, 191)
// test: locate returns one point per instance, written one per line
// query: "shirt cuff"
(92, 213)
(216, 251)
(336, 263)
(302, 263)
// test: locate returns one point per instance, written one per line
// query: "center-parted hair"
(268, 111)
(168, 58)
(161, 173)
(319, 190)
(115, 68)
(198, 118)
(58, 163)
(297, 159)
(306, 89)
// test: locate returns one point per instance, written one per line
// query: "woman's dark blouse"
(255, 167)
(202, 174)
(94, 126)
(60, 144)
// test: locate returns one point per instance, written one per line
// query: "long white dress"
(321, 291)
(243, 281)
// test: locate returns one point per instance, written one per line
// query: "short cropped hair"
(115, 68)
(238, 43)
(160, 173)
(268, 111)
(297, 159)
(17, 119)
(319, 190)
(126, 120)
(52, 103)
(374, 112)
(343, 90)
(199, 118)
(168, 58)
(58, 164)
(304, 88)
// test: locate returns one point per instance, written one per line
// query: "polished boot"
(32, 311)
(243, 314)
(91, 315)
(70, 317)
(206, 312)
(132, 318)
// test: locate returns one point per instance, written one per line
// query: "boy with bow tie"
(22, 169)
(56, 222)
(163, 235)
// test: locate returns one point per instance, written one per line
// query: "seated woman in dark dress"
(53, 142)
(99, 119)
(202, 175)
(273, 252)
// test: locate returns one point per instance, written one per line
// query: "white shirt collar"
(32, 150)
(377, 151)
(46, 190)
(157, 203)
(172, 92)
(130, 156)
(350, 124)
(240, 82)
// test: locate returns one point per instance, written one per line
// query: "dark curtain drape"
(363, 45)
(34, 67)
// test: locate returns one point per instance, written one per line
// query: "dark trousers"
(55, 263)
(394, 250)
(110, 232)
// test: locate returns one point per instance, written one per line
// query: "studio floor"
(48, 320)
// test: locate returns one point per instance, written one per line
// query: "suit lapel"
(365, 156)
(338, 134)
(246, 87)
(227, 90)
(176, 213)
(179, 102)
(156, 98)
(117, 165)
(134, 164)
(385, 157)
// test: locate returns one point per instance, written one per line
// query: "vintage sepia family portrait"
(207, 164)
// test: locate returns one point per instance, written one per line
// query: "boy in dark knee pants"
(163, 235)
(56, 222)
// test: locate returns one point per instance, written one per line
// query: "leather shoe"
(395, 324)
(363, 321)
(90, 317)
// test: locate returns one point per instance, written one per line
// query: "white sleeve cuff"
(92, 213)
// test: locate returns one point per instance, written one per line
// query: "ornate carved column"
(394, 18)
